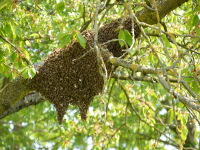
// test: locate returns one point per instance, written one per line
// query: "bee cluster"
(71, 75)
(110, 31)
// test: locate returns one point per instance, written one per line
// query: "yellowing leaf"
(26, 54)
(134, 67)
(170, 116)
(113, 60)
(28, 43)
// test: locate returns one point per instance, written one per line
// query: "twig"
(102, 67)
(18, 50)
(136, 112)
(183, 99)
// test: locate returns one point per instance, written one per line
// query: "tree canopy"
(112, 74)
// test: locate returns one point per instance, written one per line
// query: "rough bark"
(12, 93)
(164, 7)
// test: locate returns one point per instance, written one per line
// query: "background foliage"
(129, 114)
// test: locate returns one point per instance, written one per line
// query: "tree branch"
(187, 101)
(32, 98)
(12, 93)
(17, 49)
(159, 72)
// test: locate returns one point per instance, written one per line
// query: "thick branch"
(12, 93)
(30, 99)
(164, 7)
(136, 67)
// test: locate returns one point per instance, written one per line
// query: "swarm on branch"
(71, 75)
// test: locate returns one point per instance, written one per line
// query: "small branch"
(164, 83)
(141, 78)
(100, 61)
(12, 93)
(174, 42)
(135, 67)
(87, 23)
(154, 80)
(18, 50)
(142, 119)
(187, 101)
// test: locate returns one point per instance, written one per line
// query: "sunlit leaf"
(128, 37)
(13, 57)
(25, 73)
(170, 116)
(28, 43)
(2, 68)
(31, 72)
(26, 53)
(4, 3)
(166, 41)
(121, 36)
(81, 40)
(65, 40)
(60, 6)
(195, 20)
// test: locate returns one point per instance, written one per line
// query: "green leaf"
(166, 41)
(28, 43)
(192, 21)
(25, 73)
(195, 20)
(61, 35)
(34, 35)
(13, 57)
(198, 31)
(152, 58)
(60, 6)
(13, 32)
(4, 3)
(21, 65)
(7, 50)
(128, 37)
(8, 29)
(1, 53)
(2, 68)
(81, 8)
(18, 31)
(65, 40)
(31, 72)
(81, 40)
(9, 75)
(195, 87)
(183, 132)
(26, 54)
(121, 36)
(170, 116)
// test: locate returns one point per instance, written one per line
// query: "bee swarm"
(71, 75)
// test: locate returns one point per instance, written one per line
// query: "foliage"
(130, 113)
